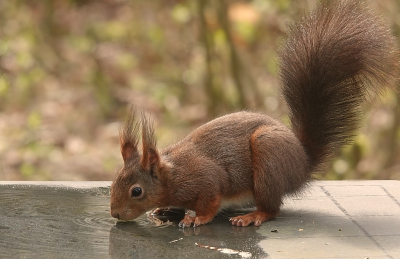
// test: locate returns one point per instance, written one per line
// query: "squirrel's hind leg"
(280, 167)
(257, 217)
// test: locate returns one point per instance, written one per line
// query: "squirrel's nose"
(115, 214)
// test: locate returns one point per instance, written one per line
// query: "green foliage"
(70, 69)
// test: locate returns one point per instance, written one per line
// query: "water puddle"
(54, 222)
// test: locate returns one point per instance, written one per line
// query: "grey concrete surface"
(331, 219)
(339, 219)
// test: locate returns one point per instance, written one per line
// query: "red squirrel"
(332, 61)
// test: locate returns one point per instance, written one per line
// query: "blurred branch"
(235, 61)
(239, 71)
(211, 90)
(101, 89)
(392, 143)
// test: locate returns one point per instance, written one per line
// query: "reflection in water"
(50, 222)
(137, 240)
(54, 222)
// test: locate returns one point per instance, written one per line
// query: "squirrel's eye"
(136, 192)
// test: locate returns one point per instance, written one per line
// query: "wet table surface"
(346, 219)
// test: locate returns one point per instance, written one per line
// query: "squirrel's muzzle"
(114, 214)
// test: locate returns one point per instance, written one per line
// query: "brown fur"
(331, 61)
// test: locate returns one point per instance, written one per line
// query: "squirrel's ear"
(128, 137)
(129, 151)
(150, 157)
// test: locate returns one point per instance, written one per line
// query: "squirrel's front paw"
(185, 223)
(188, 219)
(191, 217)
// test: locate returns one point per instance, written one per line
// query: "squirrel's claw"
(256, 217)
(188, 219)
(183, 224)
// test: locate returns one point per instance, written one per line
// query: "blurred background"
(70, 69)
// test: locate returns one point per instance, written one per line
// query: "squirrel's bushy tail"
(331, 62)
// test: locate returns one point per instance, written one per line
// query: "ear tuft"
(150, 157)
(129, 137)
